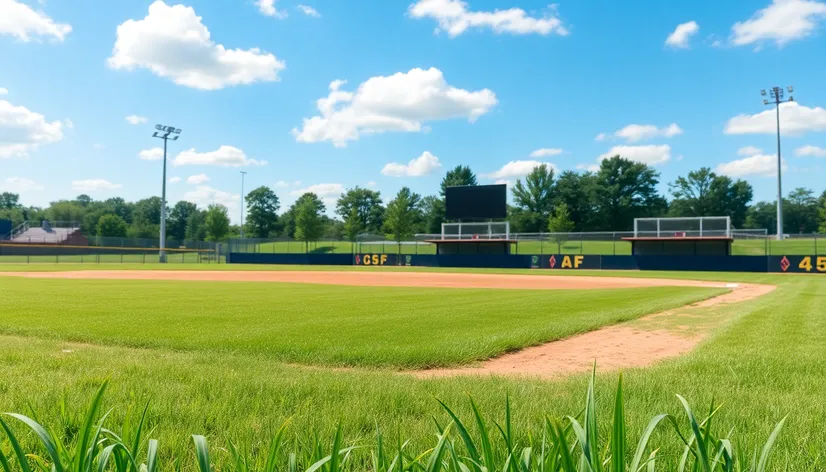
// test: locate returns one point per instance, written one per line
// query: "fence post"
(581, 242)
(614, 243)
(816, 253)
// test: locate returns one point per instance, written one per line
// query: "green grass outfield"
(740, 247)
(312, 324)
(763, 363)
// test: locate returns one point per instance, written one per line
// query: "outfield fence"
(746, 243)
(112, 251)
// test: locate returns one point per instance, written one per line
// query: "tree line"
(605, 200)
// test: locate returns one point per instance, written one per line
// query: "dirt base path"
(613, 347)
(380, 279)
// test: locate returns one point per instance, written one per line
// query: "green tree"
(560, 222)
(262, 211)
(308, 222)
(83, 200)
(800, 211)
(120, 207)
(403, 215)
(111, 225)
(368, 206)
(576, 192)
(9, 200)
(535, 198)
(94, 212)
(625, 190)
(352, 225)
(704, 193)
(822, 213)
(433, 210)
(459, 175)
(147, 212)
(216, 222)
(178, 220)
(762, 215)
(196, 226)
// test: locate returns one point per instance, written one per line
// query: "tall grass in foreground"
(568, 444)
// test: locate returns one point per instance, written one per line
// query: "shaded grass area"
(764, 363)
(320, 324)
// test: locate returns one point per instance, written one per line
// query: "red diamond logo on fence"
(784, 263)
(552, 261)
(358, 259)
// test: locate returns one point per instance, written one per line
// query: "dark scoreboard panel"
(481, 202)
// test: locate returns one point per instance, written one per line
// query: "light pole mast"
(166, 133)
(242, 203)
(777, 98)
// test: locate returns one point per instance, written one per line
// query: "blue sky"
(497, 85)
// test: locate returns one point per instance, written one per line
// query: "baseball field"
(235, 352)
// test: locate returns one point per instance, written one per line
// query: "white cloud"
(4, 91)
(22, 130)
(682, 34)
(197, 179)
(810, 151)
(98, 146)
(297, 183)
(507, 182)
(400, 102)
(308, 10)
(154, 154)
(174, 180)
(281, 184)
(782, 21)
(759, 165)
(635, 133)
(795, 119)
(21, 184)
(651, 154)
(172, 42)
(546, 152)
(224, 156)
(321, 190)
(600, 137)
(267, 7)
(455, 17)
(21, 21)
(418, 167)
(136, 120)
(93, 185)
(749, 151)
(371, 184)
(516, 169)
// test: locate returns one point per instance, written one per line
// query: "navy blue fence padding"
(5, 229)
(291, 259)
(687, 263)
(497, 261)
(810, 264)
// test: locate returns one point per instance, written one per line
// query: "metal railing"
(746, 242)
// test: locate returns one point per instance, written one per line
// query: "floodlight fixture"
(165, 133)
(777, 99)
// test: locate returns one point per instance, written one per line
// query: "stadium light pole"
(776, 94)
(242, 203)
(166, 133)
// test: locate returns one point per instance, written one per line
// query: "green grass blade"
(434, 464)
(22, 461)
(334, 458)
(87, 430)
(152, 455)
(767, 448)
(618, 445)
(591, 431)
(643, 443)
(202, 453)
(463, 433)
(44, 437)
(702, 447)
(484, 436)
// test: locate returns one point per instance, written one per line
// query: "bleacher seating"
(46, 234)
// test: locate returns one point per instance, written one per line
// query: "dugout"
(695, 236)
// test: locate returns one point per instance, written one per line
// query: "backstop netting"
(693, 227)
(462, 231)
